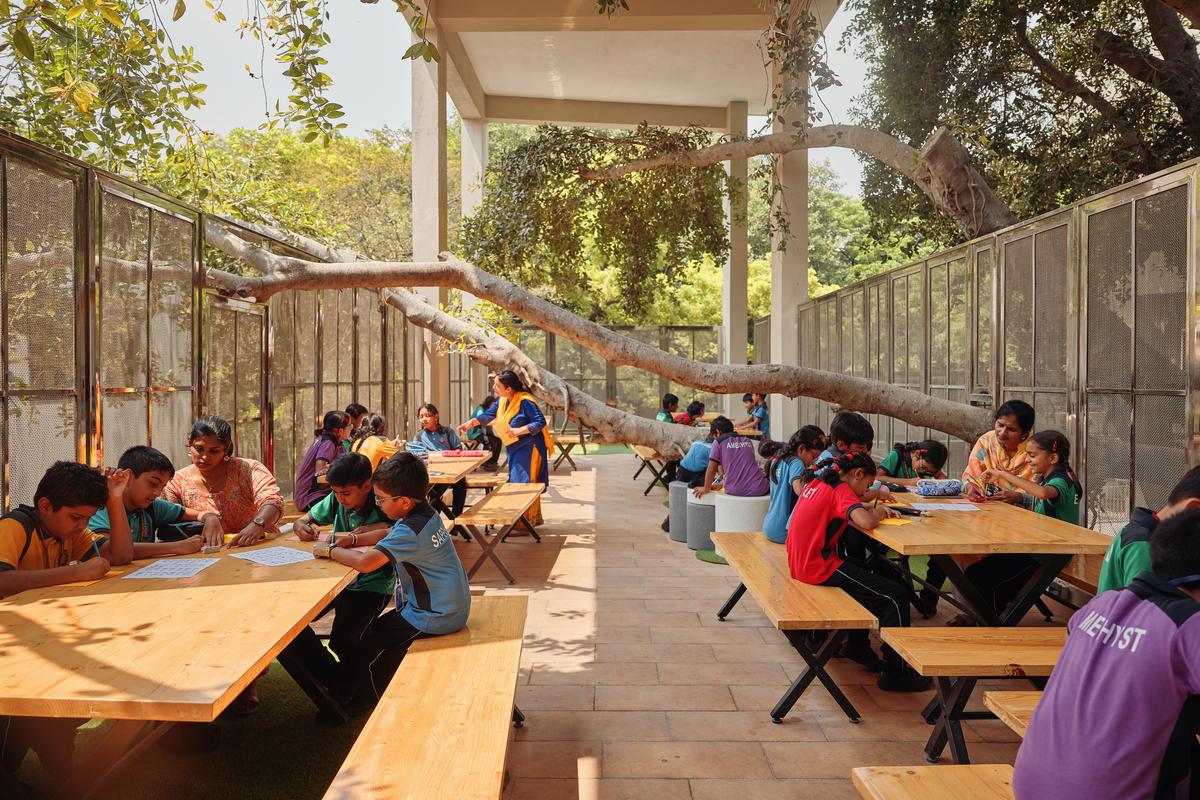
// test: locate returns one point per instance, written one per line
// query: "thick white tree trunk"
(281, 273)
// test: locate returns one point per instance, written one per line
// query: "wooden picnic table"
(751, 433)
(1014, 709)
(995, 528)
(152, 652)
(452, 469)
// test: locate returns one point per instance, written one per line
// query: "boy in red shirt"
(826, 509)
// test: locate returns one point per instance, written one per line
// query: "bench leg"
(952, 696)
(640, 468)
(816, 669)
(731, 602)
(316, 691)
(532, 531)
(564, 452)
(489, 551)
(518, 719)
(658, 478)
(127, 739)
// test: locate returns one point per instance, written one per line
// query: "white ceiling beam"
(461, 81)
(597, 114)
(581, 15)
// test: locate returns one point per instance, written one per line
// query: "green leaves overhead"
(540, 223)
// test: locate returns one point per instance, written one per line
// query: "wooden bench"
(441, 727)
(652, 460)
(1014, 709)
(566, 441)
(958, 657)
(969, 782)
(503, 507)
(795, 608)
(487, 481)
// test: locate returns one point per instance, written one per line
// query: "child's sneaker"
(906, 681)
(862, 654)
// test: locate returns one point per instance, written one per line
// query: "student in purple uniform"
(1119, 715)
(733, 456)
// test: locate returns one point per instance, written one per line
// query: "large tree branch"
(863, 395)
(498, 353)
(1068, 83)
(1189, 9)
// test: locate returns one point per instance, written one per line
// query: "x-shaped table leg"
(815, 669)
(952, 697)
(564, 451)
(658, 478)
(731, 602)
(489, 547)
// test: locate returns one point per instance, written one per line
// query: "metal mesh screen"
(939, 322)
(879, 354)
(697, 345)
(1107, 485)
(124, 424)
(460, 389)
(345, 338)
(283, 390)
(171, 416)
(1018, 313)
(249, 386)
(306, 337)
(395, 371)
(808, 348)
(1051, 410)
(40, 432)
(958, 331)
(221, 329)
(1051, 268)
(124, 274)
(1109, 298)
(329, 327)
(1161, 226)
(171, 306)
(637, 390)
(1160, 423)
(283, 440)
(306, 421)
(985, 281)
(416, 376)
(40, 244)
(581, 367)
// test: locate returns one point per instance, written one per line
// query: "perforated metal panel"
(40, 432)
(696, 344)
(40, 279)
(1109, 298)
(124, 417)
(222, 325)
(939, 323)
(958, 332)
(638, 392)
(306, 337)
(1051, 267)
(1108, 487)
(1161, 425)
(1161, 279)
(1019, 307)
(171, 415)
(123, 285)
(249, 385)
(171, 306)
(984, 293)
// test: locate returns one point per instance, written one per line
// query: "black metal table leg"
(312, 687)
(489, 551)
(731, 602)
(1031, 592)
(816, 669)
(952, 695)
(518, 719)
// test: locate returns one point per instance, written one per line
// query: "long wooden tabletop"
(1014, 709)
(452, 469)
(157, 649)
(995, 528)
(978, 652)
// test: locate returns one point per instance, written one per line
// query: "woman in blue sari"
(520, 424)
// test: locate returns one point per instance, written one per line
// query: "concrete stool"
(701, 520)
(740, 514)
(679, 498)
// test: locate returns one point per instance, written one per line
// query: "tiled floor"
(633, 689)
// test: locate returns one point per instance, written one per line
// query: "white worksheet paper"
(275, 556)
(174, 568)
(945, 507)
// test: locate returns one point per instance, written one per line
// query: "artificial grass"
(278, 752)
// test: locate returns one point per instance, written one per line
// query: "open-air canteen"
(599, 400)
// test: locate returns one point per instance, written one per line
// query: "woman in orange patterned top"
(241, 490)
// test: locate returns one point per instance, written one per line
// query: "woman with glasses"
(241, 490)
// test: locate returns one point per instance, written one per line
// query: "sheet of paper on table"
(890, 521)
(275, 556)
(945, 507)
(173, 568)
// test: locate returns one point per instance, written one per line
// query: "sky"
(371, 80)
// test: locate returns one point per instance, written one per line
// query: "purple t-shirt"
(743, 478)
(306, 492)
(1102, 726)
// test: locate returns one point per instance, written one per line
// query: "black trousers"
(1000, 578)
(353, 614)
(378, 654)
(669, 470)
(883, 597)
(692, 479)
(494, 446)
(458, 497)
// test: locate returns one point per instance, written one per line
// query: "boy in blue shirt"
(436, 598)
(149, 472)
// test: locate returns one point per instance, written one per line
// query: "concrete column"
(429, 199)
(789, 277)
(474, 162)
(734, 298)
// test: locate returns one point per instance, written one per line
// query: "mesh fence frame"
(124, 302)
(172, 255)
(985, 287)
(1017, 369)
(1160, 314)
(1050, 301)
(1109, 297)
(40, 430)
(172, 416)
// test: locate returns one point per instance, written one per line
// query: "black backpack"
(28, 520)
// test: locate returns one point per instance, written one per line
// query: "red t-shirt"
(821, 515)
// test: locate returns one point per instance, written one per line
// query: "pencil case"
(939, 487)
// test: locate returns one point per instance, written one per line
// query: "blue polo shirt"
(143, 522)
(764, 420)
(783, 499)
(436, 597)
(442, 439)
(696, 459)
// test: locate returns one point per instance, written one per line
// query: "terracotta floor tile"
(603, 789)
(836, 759)
(566, 726)
(700, 635)
(566, 698)
(774, 790)
(666, 619)
(729, 674)
(658, 653)
(595, 673)
(779, 653)
(684, 759)
(554, 759)
(750, 726)
(664, 698)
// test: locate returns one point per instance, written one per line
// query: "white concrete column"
(789, 276)
(429, 199)
(474, 162)
(734, 296)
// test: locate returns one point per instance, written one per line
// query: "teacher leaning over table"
(241, 490)
(518, 421)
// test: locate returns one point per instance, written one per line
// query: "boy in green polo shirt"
(350, 508)
(1129, 554)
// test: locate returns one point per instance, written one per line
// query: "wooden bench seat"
(795, 608)
(958, 657)
(652, 460)
(504, 507)
(486, 480)
(1014, 709)
(951, 782)
(441, 728)
(565, 441)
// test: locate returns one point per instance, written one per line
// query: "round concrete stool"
(701, 520)
(740, 514)
(679, 497)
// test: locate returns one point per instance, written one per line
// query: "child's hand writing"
(305, 530)
(92, 569)
(192, 544)
(886, 512)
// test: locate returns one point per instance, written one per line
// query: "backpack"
(23, 515)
